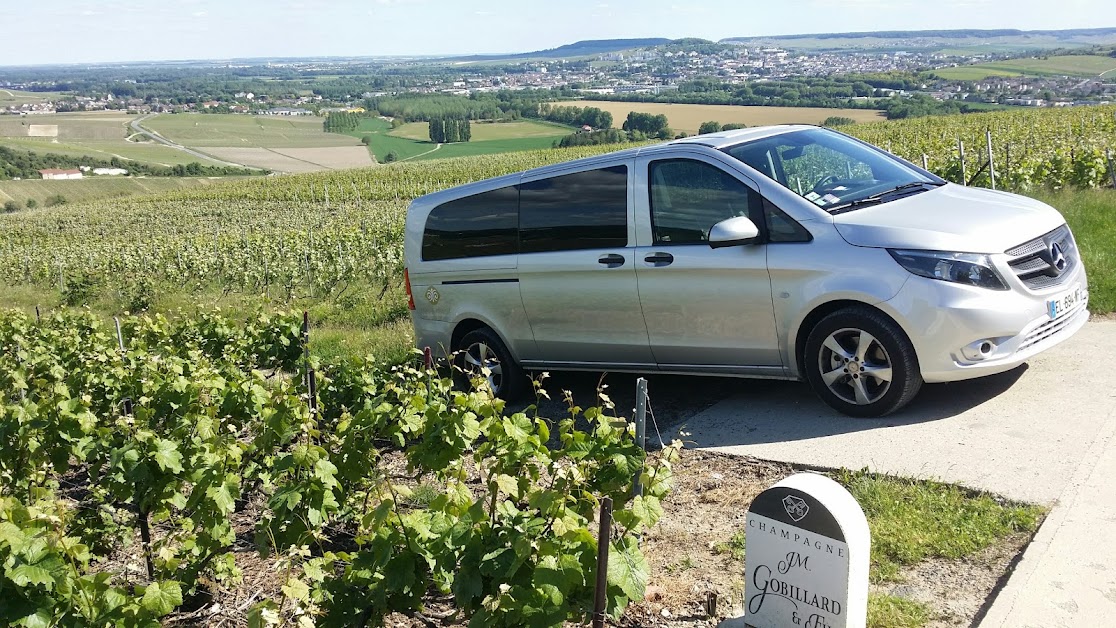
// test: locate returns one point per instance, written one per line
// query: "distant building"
(110, 172)
(287, 111)
(55, 174)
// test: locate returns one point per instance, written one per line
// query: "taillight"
(407, 285)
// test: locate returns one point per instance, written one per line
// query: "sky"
(85, 31)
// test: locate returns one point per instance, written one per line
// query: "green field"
(487, 131)
(101, 135)
(411, 141)
(10, 97)
(243, 131)
(93, 189)
(1065, 65)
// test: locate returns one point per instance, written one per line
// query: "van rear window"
(474, 226)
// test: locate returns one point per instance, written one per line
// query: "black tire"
(482, 345)
(851, 378)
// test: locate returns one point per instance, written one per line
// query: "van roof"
(717, 140)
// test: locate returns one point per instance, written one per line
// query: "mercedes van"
(784, 252)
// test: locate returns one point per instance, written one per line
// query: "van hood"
(950, 218)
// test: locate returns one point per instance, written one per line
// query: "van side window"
(586, 210)
(474, 226)
(688, 197)
(781, 227)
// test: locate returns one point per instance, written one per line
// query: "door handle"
(612, 260)
(659, 259)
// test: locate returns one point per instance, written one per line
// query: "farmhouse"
(55, 174)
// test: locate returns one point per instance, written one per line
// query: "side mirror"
(733, 232)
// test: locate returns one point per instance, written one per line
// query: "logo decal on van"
(432, 295)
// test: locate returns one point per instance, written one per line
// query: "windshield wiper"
(879, 197)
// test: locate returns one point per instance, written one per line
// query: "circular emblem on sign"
(432, 295)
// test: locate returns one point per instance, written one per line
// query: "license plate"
(1066, 302)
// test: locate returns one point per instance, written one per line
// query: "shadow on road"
(749, 411)
(787, 411)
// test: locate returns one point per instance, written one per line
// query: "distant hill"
(1001, 38)
(995, 40)
(577, 49)
(946, 34)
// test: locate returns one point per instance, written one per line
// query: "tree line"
(576, 116)
(450, 130)
(27, 164)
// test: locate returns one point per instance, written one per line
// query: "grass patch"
(97, 188)
(912, 521)
(244, 131)
(411, 141)
(735, 546)
(490, 131)
(96, 134)
(390, 343)
(1060, 65)
(381, 142)
(888, 611)
(1091, 215)
(363, 322)
(16, 97)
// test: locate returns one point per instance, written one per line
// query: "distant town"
(650, 71)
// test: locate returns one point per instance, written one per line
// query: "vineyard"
(1031, 148)
(138, 469)
(141, 469)
(315, 236)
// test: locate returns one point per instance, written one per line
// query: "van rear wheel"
(481, 354)
(861, 363)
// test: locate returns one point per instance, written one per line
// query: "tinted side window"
(474, 226)
(586, 210)
(688, 197)
(781, 227)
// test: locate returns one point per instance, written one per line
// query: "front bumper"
(945, 321)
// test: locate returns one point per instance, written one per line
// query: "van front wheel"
(861, 363)
(482, 355)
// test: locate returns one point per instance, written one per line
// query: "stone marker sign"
(806, 556)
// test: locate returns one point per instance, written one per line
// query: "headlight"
(967, 268)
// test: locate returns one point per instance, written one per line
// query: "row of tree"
(603, 136)
(714, 127)
(27, 164)
(576, 116)
(647, 126)
(342, 122)
(450, 130)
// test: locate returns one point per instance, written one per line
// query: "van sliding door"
(577, 270)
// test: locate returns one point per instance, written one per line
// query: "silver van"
(786, 252)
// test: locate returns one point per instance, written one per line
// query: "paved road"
(136, 127)
(1045, 433)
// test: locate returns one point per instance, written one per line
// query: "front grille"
(1049, 328)
(1033, 262)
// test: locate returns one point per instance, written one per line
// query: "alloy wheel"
(481, 360)
(855, 366)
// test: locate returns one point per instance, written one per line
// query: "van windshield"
(832, 170)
